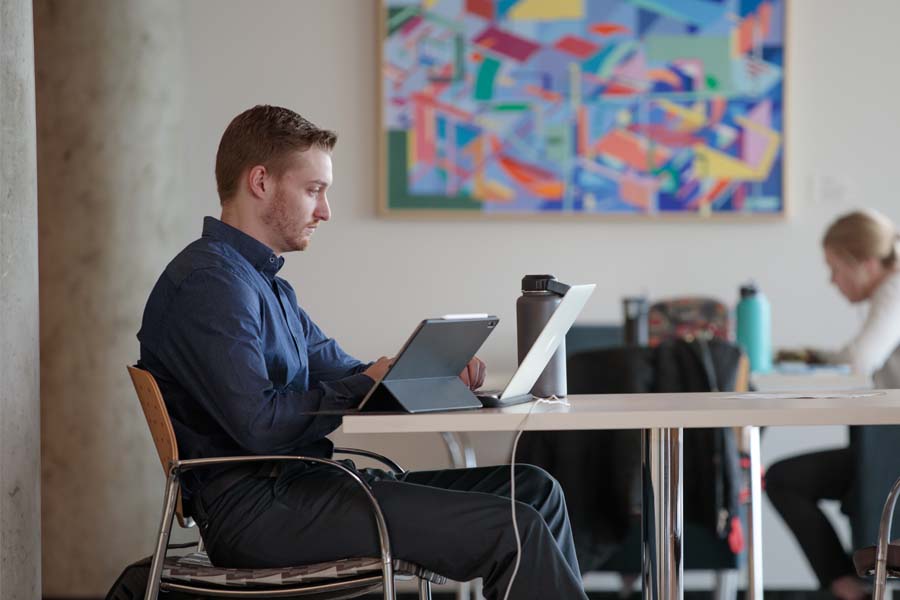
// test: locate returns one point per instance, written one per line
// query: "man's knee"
(528, 519)
(539, 479)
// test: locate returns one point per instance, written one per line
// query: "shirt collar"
(257, 254)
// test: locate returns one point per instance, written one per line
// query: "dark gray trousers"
(454, 522)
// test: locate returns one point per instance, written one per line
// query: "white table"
(661, 417)
(786, 379)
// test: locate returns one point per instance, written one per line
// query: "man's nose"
(323, 209)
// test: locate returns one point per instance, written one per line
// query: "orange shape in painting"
(539, 182)
(608, 28)
(548, 95)
(631, 150)
(666, 76)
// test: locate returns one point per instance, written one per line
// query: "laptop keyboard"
(493, 400)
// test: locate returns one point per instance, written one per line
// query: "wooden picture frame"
(630, 109)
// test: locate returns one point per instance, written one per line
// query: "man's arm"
(327, 360)
(213, 349)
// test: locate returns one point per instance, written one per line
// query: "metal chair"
(194, 573)
(883, 559)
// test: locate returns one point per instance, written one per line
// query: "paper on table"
(803, 395)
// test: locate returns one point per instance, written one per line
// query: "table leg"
(662, 514)
(455, 449)
(754, 548)
(462, 454)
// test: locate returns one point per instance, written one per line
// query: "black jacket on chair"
(876, 465)
(600, 470)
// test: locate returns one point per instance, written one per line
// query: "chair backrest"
(589, 336)
(742, 381)
(160, 425)
(687, 317)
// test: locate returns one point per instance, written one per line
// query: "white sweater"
(875, 350)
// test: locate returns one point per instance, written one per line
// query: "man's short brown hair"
(264, 135)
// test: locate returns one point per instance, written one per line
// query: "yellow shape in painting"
(691, 118)
(714, 164)
(410, 151)
(492, 191)
(534, 10)
(623, 118)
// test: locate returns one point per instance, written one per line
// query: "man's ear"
(258, 181)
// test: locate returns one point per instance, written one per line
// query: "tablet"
(425, 374)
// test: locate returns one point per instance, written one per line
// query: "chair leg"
(388, 582)
(162, 543)
(463, 591)
(424, 589)
(884, 536)
(726, 585)
(479, 591)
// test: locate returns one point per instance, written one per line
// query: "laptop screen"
(546, 343)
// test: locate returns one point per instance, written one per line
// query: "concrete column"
(20, 494)
(110, 112)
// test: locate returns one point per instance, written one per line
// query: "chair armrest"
(176, 467)
(393, 466)
(883, 546)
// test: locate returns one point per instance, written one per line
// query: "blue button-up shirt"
(242, 368)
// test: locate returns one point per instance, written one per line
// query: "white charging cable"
(512, 483)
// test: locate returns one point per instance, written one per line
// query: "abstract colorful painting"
(583, 107)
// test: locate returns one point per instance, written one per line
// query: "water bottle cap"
(536, 283)
(749, 289)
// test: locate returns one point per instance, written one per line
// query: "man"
(244, 370)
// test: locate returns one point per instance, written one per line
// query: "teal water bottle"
(754, 328)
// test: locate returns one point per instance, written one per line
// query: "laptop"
(518, 389)
(424, 376)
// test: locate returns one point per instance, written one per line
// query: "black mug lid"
(536, 283)
(749, 289)
(543, 283)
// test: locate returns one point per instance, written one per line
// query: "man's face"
(299, 202)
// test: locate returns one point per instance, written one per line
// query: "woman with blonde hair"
(861, 252)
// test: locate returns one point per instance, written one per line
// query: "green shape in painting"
(397, 16)
(484, 83)
(713, 52)
(557, 141)
(511, 106)
(398, 196)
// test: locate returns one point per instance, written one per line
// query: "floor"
(769, 595)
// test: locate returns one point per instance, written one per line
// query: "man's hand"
(473, 374)
(378, 368)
